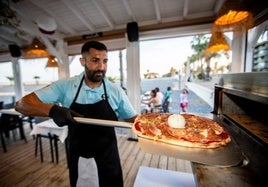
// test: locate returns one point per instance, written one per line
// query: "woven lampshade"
(36, 50)
(52, 62)
(234, 13)
(217, 43)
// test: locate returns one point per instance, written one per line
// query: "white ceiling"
(75, 18)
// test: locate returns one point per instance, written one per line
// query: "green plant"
(11, 79)
(8, 17)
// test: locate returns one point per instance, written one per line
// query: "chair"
(53, 142)
(9, 122)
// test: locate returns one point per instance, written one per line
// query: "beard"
(95, 76)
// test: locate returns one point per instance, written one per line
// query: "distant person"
(154, 104)
(184, 100)
(159, 94)
(167, 100)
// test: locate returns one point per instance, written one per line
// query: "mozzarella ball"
(176, 121)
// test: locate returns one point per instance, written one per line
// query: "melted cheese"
(204, 133)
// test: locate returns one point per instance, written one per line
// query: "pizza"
(186, 130)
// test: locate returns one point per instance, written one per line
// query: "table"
(10, 120)
(49, 126)
(10, 111)
(49, 129)
(44, 127)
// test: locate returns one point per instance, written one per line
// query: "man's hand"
(63, 116)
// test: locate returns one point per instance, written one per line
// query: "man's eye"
(94, 60)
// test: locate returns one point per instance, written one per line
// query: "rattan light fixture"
(217, 43)
(52, 62)
(234, 13)
(36, 50)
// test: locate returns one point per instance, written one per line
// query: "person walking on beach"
(184, 100)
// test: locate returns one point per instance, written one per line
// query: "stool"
(52, 139)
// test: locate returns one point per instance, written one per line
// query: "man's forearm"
(30, 105)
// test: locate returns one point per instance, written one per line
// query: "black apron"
(90, 141)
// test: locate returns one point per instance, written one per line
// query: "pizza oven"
(241, 106)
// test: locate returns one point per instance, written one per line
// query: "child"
(184, 100)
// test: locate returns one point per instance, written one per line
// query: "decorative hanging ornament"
(47, 25)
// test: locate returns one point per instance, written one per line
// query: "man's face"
(95, 65)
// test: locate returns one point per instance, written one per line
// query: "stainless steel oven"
(241, 106)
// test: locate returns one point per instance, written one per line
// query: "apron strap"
(104, 96)
(78, 90)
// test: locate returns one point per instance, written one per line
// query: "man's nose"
(101, 65)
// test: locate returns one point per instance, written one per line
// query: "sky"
(155, 55)
(160, 55)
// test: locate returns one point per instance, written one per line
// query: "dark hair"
(157, 89)
(168, 88)
(184, 89)
(154, 92)
(93, 44)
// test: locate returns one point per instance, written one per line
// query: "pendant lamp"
(36, 50)
(217, 43)
(234, 14)
(52, 62)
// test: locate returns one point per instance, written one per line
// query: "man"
(89, 95)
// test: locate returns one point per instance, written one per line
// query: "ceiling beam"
(72, 7)
(185, 8)
(157, 11)
(201, 15)
(103, 12)
(128, 9)
(120, 33)
(3, 40)
(11, 34)
(218, 5)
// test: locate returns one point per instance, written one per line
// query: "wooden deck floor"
(19, 167)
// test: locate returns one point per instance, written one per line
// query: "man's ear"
(82, 61)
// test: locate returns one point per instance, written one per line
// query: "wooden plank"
(163, 162)
(154, 161)
(131, 175)
(132, 159)
(184, 166)
(19, 167)
(147, 159)
(171, 164)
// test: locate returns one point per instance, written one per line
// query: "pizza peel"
(227, 156)
(101, 122)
